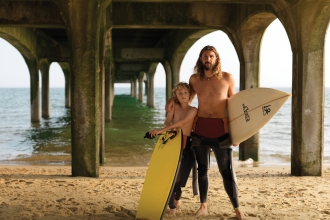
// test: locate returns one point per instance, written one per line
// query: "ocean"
(49, 142)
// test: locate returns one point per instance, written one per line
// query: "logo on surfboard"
(246, 109)
(266, 109)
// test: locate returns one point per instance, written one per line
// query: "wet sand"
(49, 192)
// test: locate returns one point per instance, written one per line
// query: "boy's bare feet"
(202, 210)
(172, 212)
(239, 214)
(178, 204)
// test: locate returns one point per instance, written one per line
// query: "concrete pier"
(141, 78)
(104, 47)
(67, 87)
(44, 69)
(83, 31)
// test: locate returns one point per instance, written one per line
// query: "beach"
(49, 192)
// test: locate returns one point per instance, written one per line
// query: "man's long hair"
(199, 69)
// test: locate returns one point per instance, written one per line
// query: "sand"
(49, 192)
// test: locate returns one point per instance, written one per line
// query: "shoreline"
(49, 192)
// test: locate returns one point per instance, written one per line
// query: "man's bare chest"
(206, 89)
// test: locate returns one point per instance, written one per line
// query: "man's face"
(208, 59)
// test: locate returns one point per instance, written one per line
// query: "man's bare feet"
(178, 204)
(172, 212)
(239, 214)
(202, 210)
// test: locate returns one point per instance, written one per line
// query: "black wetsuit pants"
(187, 162)
(223, 154)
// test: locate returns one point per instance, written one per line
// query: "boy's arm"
(189, 117)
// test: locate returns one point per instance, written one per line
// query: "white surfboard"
(249, 110)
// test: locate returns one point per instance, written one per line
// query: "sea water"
(49, 141)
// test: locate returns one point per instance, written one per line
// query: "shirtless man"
(212, 87)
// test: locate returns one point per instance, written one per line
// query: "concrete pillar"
(107, 91)
(176, 65)
(109, 72)
(112, 85)
(132, 87)
(67, 89)
(83, 20)
(135, 80)
(146, 87)
(101, 96)
(151, 90)
(34, 89)
(151, 85)
(168, 73)
(141, 77)
(44, 69)
(67, 86)
(308, 23)
(250, 35)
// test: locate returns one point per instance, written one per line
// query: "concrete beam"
(126, 73)
(23, 39)
(132, 67)
(219, 1)
(171, 15)
(138, 54)
(122, 81)
(30, 14)
(55, 54)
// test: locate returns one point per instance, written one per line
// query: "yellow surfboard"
(161, 175)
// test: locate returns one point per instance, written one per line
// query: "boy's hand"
(155, 132)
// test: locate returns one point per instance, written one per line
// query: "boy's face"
(182, 95)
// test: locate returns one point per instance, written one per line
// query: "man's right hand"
(170, 105)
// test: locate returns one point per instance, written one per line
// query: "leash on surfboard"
(168, 135)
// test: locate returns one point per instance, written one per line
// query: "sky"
(275, 61)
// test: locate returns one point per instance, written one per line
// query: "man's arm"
(192, 90)
(231, 85)
(231, 91)
(169, 118)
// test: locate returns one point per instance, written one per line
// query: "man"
(213, 87)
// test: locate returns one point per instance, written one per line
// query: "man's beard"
(208, 67)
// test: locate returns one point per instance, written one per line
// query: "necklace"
(208, 78)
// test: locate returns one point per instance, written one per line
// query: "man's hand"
(170, 105)
(235, 145)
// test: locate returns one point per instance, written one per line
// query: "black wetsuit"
(221, 147)
(187, 163)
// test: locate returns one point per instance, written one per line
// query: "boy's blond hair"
(180, 85)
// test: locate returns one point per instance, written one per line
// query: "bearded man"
(213, 87)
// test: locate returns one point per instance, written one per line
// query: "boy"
(182, 116)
